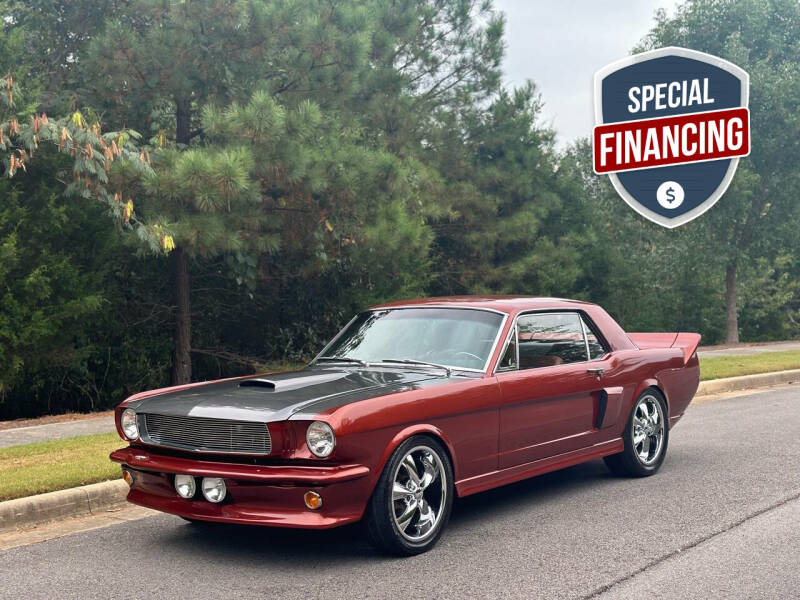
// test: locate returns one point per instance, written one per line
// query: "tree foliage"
(503, 233)
(301, 159)
(755, 220)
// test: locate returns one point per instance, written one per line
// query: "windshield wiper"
(356, 361)
(409, 361)
(402, 361)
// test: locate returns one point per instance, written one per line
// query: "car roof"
(506, 304)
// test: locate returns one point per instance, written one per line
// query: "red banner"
(675, 140)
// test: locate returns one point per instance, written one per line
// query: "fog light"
(213, 489)
(313, 500)
(185, 486)
(126, 475)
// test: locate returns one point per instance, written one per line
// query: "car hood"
(301, 394)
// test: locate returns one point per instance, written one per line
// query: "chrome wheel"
(419, 493)
(648, 429)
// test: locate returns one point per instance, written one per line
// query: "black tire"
(380, 521)
(629, 462)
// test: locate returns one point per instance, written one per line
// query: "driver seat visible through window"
(531, 362)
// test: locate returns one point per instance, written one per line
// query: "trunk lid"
(686, 341)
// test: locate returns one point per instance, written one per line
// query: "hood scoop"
(262, 383)
(291, 382)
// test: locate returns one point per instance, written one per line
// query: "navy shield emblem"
(671, 125)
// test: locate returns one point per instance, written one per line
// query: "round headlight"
(214, 489)
(320, 439)
(185, 486)
(128, 424)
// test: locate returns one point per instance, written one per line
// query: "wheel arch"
(401, 436)
(648, 384)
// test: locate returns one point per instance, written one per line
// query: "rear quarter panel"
(679, 384)
(662, 368)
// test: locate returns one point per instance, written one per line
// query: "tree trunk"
(181, 358)
(183, 122)
(731, 314)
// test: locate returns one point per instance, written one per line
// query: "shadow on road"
(530, 492)
(242, 543)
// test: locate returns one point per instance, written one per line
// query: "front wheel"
(413, 498)
(646, 435)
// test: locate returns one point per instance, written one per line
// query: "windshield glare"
(458, 338)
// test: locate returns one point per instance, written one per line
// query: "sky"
(559, 44)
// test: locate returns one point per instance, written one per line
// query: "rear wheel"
(413, 498)
(646, 436)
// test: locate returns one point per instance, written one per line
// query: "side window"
(550, 339)
(596, 347)
(508, 362)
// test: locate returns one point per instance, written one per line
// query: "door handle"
(596, 371)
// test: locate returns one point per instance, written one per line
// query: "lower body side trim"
(473, 485)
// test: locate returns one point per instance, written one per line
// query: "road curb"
(747, 382)
(23, 513)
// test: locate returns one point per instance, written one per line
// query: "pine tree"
(355, 203)
(157, 64)
(505, 232)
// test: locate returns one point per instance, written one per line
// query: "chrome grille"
(206, 435)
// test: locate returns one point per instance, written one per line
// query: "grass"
(57, 465)
(717, 367)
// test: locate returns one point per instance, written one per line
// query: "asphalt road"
(720, 520)
(55, 431)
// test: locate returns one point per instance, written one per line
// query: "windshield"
(455, 337)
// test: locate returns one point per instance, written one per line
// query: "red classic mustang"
(410, 405)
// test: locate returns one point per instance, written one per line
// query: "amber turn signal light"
(313, 500)
(126, 475)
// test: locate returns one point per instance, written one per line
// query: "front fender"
(410, 431)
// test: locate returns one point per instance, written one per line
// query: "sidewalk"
(56, 431)
(747, 348)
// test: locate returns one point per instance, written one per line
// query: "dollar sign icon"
(670, 194)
